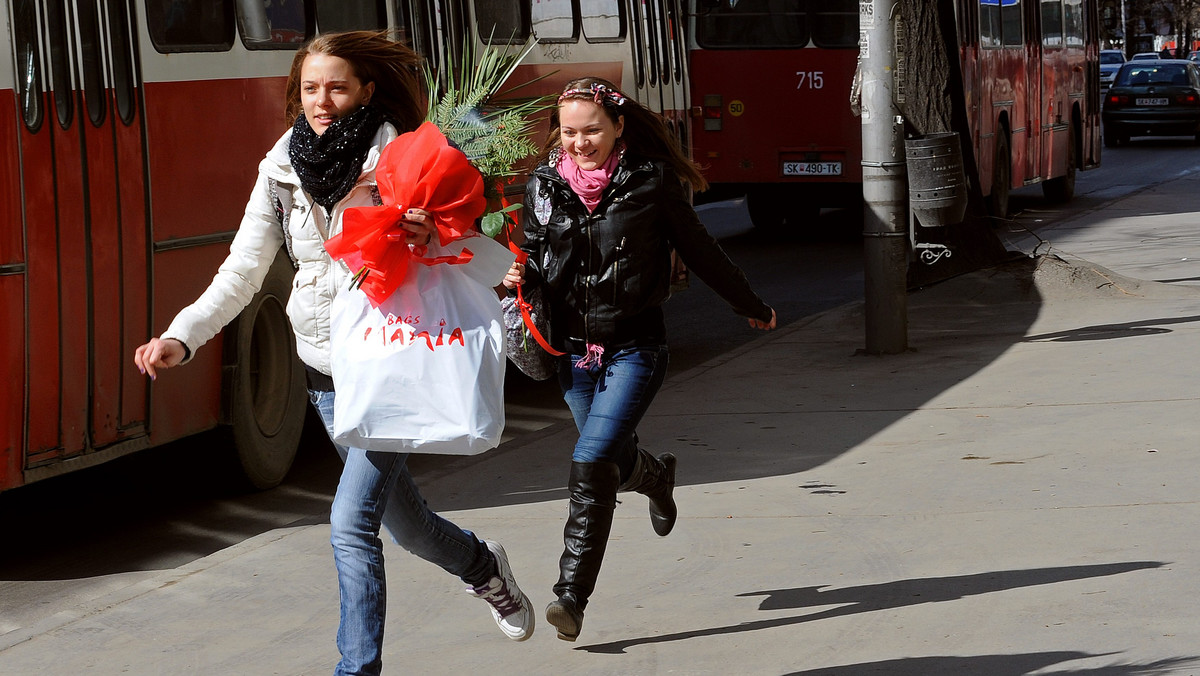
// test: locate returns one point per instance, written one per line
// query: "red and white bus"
(130, 131)
(771, 81)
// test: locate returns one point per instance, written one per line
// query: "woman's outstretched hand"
(515, 276)
(158, 354)
(765, 326)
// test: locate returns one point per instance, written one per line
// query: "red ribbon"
(418, 170)
(524, 306)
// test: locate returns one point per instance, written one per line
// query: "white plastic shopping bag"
(424, 371)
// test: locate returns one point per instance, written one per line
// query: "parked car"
(1145, 56)
(1153, 98)
(1110, 62)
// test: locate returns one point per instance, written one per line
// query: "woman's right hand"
(515, 276)
(158, 354)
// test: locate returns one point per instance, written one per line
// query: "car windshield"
(1112, 57)
(1153, 74)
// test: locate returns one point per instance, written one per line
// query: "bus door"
(83, 190)
(1035, 94)
(645, 22)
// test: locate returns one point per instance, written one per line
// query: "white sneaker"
(509, 605)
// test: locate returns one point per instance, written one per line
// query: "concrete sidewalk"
(1017, 494)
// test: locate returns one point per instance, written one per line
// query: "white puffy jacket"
(259, 237)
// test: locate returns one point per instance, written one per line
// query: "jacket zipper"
(617, 272)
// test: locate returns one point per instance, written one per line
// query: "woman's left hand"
(765, 326)
(515, 276)
(416, 227)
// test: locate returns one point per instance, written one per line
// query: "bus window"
(343, 15)
(190, 25)
(674, 31)
(95, 94)
(29, 65)
(650, 39)
(603, 20)
(1010, 17)
(272, 24)
(638, 44)
(554, 21)
(835, 24)
(664, 39)
(503, 22)
(1073, 23)
(991, 31)
(1052, 23)
(753, 24)
(60, 63)
(122, 59)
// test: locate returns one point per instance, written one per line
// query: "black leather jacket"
(606, 274)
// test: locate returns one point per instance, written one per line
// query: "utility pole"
(885, 205)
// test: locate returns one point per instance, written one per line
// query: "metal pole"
(885, 205)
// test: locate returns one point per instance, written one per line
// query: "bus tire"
(1062, 189)
(266, 395)
(1001, 178)
(766, 209)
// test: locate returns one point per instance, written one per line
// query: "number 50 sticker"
(736, 108)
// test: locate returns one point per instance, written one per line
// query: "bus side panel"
(104, 240)
(12, 390)
(12, 302)
(37, 166)
(187, 400)
(71, 204)
(135, 274)
(203, 158)
(798, 99)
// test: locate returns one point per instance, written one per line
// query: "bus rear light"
(712, 112)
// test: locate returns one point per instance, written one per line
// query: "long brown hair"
(646, 134)
(373, 57)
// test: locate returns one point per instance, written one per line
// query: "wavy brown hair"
(374, 57)
(646, 134)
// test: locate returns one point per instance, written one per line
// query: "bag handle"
(524, 306)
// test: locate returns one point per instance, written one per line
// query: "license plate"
(812, 168)
(1153, 102)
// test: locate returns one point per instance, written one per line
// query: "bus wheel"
(266, 397)
(1062, 188)
(1001, 178)
(767, 210)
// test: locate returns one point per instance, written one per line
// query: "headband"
(599, 93)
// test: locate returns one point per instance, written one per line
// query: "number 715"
(811, 79)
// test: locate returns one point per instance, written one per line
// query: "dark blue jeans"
(608, 401)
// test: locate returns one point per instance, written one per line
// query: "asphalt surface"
(1015, 494)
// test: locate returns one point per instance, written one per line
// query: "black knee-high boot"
(593, 487)
(655, 478)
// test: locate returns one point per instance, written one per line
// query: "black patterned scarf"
(329, 164)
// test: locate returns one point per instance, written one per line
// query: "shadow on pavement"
(1001, 665)
(165, 508)
(886, 596)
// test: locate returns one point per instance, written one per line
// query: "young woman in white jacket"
(348, 96)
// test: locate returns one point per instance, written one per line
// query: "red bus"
(771, 81)
(130, 131)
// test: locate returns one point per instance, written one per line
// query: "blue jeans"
(608, 401)
(376, 488)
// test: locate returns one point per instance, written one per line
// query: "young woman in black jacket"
(603, 210)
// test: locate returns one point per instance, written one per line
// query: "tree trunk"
(934, 101)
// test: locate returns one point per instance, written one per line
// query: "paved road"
(76, 536)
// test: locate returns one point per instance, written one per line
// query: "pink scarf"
(589, 184)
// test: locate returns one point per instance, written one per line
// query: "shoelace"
(501, 598)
